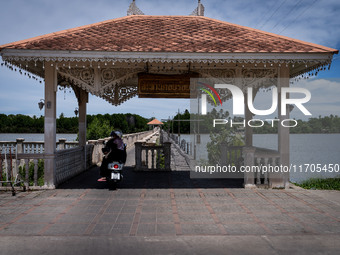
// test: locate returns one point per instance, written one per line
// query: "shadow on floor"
(149, 180)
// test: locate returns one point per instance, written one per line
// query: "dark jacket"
(115, 154)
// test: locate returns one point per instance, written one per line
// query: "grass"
(317, 183)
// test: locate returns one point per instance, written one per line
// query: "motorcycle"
(114, 159)
(114, 174)
(114, 167)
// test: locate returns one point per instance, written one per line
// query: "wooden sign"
(164, 86)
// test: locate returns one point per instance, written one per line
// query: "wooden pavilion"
(105, 59)
(155, 123)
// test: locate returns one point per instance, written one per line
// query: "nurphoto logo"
(238, 107)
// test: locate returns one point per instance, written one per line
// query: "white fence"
(23, 162)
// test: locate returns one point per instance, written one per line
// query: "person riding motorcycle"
(114, 150)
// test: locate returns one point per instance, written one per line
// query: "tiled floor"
(168, 211)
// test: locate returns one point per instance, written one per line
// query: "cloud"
(329, 86)
(324, 98)
(315, 23)
(325, 94)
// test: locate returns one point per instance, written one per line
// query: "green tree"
(98, 128)
(225, 137)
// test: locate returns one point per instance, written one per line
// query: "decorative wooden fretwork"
(112, 84)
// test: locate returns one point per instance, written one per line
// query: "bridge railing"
(28, 168)
(23, 162)
(183, 144)
(231, 155)
(152, 153)
(265, 157)
(129, 140)
(71, 162)
(183, 147)
(152, 157)
(22, 167)
(22, 146)
(258, 161)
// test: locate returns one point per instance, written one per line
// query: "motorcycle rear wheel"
(112, 185)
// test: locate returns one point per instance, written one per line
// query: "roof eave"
(57, 55)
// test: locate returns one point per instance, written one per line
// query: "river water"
(312, 149)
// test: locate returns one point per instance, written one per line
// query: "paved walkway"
(168, 213)
(178, 161)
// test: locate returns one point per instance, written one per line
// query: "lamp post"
(76, 111)
(41, 104)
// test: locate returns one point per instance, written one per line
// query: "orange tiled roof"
(167, 34)
(155, 122)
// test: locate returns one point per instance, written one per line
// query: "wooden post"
(50, 125)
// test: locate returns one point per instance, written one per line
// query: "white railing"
(187, 152)
(23, 162)
(184, 145)
(33, 147)
(28, 168)
(258, 160)
(231, 155)
(152, 156)
(71, 162)
(23, 167)
(20, 146)
(129, 140)
(265, 157)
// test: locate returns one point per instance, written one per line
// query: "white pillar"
(249, 157)
(248, 130)
(248, 151)
(281, 180)
(51, 84)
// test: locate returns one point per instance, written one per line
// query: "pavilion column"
(248, 130)
(51, 84)
(82, 101)
(281, 180)
(248, 151)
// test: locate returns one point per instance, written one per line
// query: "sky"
(313, 21)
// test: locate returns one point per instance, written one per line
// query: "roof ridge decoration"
(133, 9)
(199, 11)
